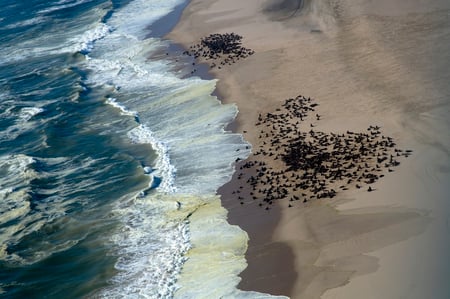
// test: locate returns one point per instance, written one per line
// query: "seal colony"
(297, 163)
(293, 161)
(221, 49)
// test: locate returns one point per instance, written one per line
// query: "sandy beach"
(364, 64)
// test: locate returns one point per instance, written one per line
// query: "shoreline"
(311, 250)
(266, 259)
(253, 277)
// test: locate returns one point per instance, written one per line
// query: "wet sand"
(363, 70)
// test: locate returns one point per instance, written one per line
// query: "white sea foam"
(22, 120)
(127, 68)
(29, 22)
(163, 168)
(152, 247)
(191, 123)
(113, 102)
(26, 113)
(86, 41)
(63, 4)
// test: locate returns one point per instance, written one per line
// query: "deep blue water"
(62, 159)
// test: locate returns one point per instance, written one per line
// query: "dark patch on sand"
(163, 26)
(279, 10)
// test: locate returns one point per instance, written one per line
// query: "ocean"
(111, 153)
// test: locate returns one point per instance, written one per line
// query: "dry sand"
(365, 64)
